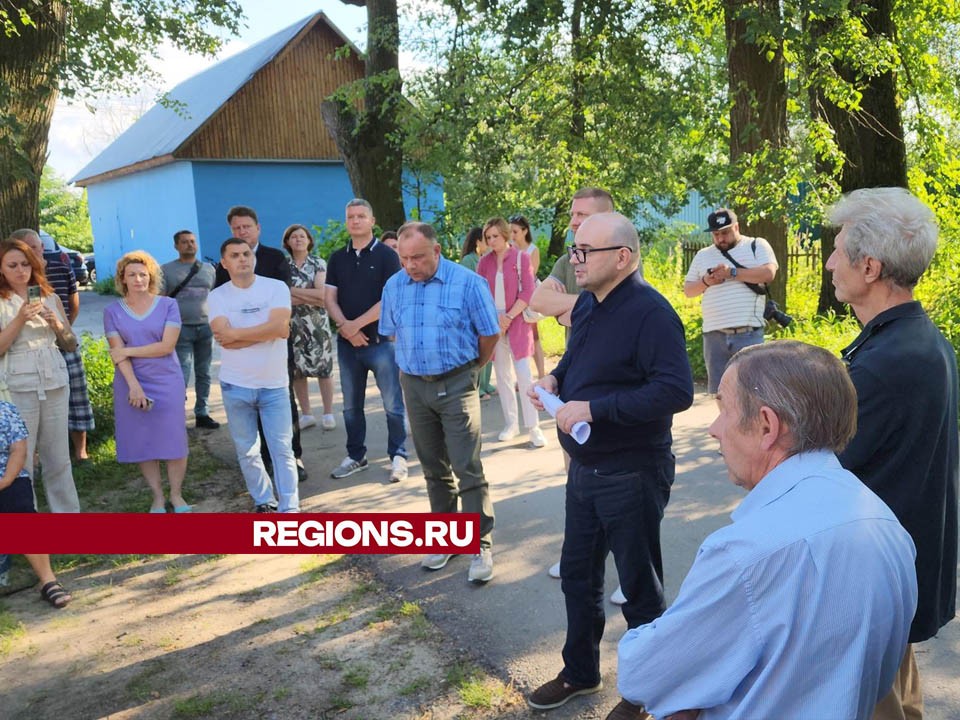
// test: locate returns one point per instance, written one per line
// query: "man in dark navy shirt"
(626, 373)
(356, 275)
(905, 373)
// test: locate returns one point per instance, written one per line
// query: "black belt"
(738, 330)
(448, 373)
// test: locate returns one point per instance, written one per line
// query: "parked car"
(53, 249)
(91, 267)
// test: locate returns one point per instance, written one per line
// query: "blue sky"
(77, 134)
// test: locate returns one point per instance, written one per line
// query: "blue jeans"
(719, 347)
(272, 406)
(194, 349)
(620, 511)
(355, 364)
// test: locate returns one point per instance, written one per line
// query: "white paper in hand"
(551, 403)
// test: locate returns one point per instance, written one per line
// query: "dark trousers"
(356, 363)
(620, 511)
(445, 424)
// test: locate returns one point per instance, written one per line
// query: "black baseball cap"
(720, 219)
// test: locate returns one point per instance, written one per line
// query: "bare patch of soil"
(280, 636)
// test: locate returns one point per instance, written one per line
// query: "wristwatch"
(733, 272)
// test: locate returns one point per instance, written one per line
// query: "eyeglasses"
(517, 220)
(580, 254)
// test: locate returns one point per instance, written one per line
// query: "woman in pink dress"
(508, 272)
(148, 391)
(522, 238)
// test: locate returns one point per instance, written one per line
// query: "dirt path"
(287, 636)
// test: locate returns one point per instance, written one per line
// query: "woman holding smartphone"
(142, 329)
(33, 329)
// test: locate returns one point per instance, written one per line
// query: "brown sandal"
(54, 594)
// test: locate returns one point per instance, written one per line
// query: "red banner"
(226, 533)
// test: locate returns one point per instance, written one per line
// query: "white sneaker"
(508, 433)
(398, 469)
(536, 437)
(434, 562)
(307, 421)
(617, 597)
(554, 570)
(481, 568)
(328, 422)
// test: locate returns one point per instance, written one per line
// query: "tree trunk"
(369, 139)
(870, 138)
(758, 112)
(28, 93)
(558, 228)
(578, 121)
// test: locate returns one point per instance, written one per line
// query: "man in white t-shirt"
(250, 319)
(732, 311)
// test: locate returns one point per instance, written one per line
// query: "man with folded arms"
(250, 318)
(446, 328)
(802, 607)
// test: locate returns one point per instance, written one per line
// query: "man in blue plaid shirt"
(446, 328)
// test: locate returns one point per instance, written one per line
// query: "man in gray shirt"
(189, 281)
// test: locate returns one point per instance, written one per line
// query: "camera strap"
(194, 269)
(758, 288)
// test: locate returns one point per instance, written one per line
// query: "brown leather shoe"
(555, 693)
(628, 711)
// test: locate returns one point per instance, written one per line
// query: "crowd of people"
(841, 556)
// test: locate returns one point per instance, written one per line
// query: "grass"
(11, 630)
(147, 683)
(222, 703)
(415, 686)
(357, 677)
(477, 689)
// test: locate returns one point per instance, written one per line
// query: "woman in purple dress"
(148, 391)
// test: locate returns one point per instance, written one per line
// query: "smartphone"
(33, 294)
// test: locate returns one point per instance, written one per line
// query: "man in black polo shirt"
(356, 275)
(905, 373)
(626, 372)
(270, 263)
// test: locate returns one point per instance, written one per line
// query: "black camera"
(772, 311)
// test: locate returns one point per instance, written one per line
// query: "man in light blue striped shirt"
(802, 607)
(446, 328)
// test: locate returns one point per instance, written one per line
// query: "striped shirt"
(61, 278)
(799, 609)
(731, 304)
(437, 323)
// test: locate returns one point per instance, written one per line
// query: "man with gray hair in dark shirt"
(905, 373)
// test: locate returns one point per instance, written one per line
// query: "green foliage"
(518, 121)
(64, 213)
(105, 286)
(99, 368)
(329, 237)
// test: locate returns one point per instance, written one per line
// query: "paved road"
(516, 623)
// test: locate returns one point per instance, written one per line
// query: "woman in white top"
(522, 239)
(34, 329)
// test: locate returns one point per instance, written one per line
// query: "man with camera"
(731, 275)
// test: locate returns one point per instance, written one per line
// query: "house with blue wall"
(246, 131)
